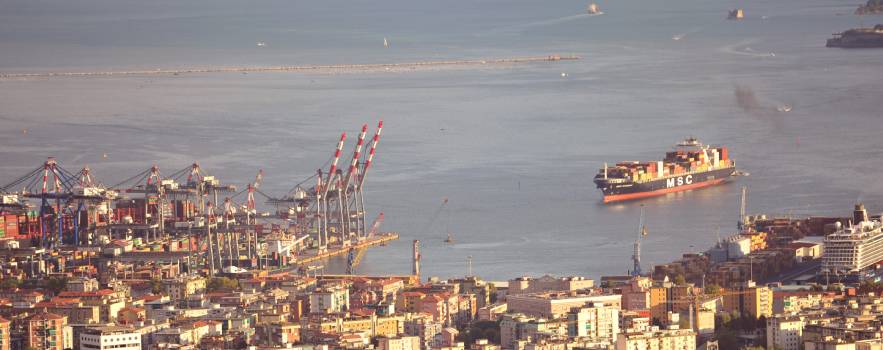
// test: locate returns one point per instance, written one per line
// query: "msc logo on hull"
(679, 181)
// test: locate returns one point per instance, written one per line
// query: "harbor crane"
(334, 208)
(63, 195)
(636, 255)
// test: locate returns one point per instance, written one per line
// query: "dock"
(337, 251)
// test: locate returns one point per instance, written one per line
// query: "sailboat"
(450, 239)
(385, 43)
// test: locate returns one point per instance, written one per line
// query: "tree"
(10, 283)
(727, 339)
(489, 330)
(492, 290)
(222, 284)
(156, 286)
(56, 284)
(712, 289)
(680, 280)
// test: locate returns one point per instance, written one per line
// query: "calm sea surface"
(513, 148)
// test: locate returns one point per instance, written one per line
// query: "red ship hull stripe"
(628, 196)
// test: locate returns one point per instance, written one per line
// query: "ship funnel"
(859, 215)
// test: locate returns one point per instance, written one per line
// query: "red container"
(724, 154)
(11, 225)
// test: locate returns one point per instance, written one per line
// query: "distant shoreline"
(306, 68)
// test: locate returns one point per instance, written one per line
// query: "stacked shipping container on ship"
(691, 165)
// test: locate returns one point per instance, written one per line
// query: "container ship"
(690, 166)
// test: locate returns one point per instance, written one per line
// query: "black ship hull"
(620, 191)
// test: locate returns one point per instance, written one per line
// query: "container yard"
(191, 217)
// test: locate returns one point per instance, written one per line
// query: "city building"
(483, 344)
(557, 304)
(45, 331)
(423, 326)
(749, 299)
(82, 284)
(597, 322)
(528, 285)
(520, 327)
(330, 299)
(5, 335)
(183, 286)
(673, 339)
(399, 343)
(110, 338)
(784, 332)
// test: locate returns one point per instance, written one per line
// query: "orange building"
(45, 331)
(4, 334)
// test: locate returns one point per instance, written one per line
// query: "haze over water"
(514, 148)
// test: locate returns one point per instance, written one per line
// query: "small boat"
(736, 14)
(784, 108)
(593, 9)
(261, 44)
(450, 239)
(385, 43)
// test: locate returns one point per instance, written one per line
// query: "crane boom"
(371, 153)
(252, 187)
(86, 177)
(194, 172)
(375, 225)
(154, 175)
(333, 169)
(356, 154)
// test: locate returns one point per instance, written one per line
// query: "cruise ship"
(854, 250)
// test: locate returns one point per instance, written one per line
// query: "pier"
(314, 256)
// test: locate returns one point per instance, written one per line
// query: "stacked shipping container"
(675, 163)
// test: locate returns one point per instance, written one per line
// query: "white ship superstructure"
(854, 247)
